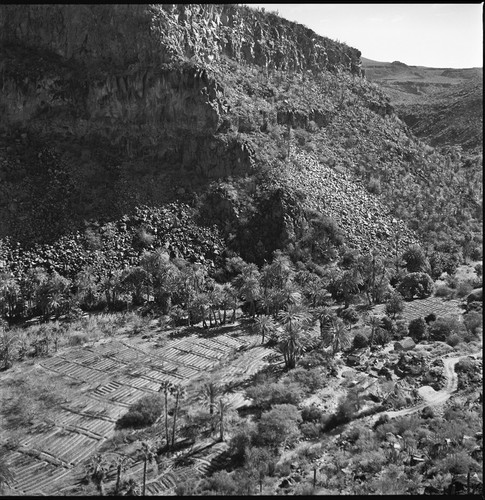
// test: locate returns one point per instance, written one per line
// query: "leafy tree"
(7, 346)
(394, 304)
(142, 413)
(417, 329)
(88, 289)
(416, 284)
(323, 239)
(278, 426)
(10, 297)
(443, 327)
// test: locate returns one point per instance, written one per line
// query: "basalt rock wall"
(127, 99)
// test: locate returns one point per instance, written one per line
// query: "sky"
(446, 35)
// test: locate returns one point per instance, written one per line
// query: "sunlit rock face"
(129, 96)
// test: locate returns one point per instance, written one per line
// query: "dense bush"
(278, 425)
(360, 341)
(142, 413)
(443, 327)
(269, 394)
(310, 380)
(417, 329)
(417, 284)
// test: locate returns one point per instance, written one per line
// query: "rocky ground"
(365, 221)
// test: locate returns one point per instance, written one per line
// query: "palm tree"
(223, 406)
(179, 392)
(165, 387)
(148, 456)
(120, 468)
(230, 297)
(341, 339)
(248, 287)
(97, 469)
(295, 322)
(209, 390)
(374, 322)
(265, 325)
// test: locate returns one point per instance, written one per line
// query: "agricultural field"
(99, 382)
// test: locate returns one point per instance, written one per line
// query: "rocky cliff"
(108, 107)
(127, 97)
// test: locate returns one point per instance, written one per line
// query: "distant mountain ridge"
(443, 106)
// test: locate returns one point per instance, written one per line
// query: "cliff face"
(124, 35)
(127, 95)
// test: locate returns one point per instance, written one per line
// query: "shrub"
(142, 413)
(465, 365)
(463, 288)
(350, 315)
(453, 339)
(382, 337)
(220, 482)
(360, 341)
(443, 291)
(417, 329)
(479, 270)
(388, 325)
(311, 414)
(416, 285)
(277, 426)
(473, 321)
(309, 380)
(442, 328)
(310, 430)
(267, 395)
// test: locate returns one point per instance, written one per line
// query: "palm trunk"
(175, 418)
(166, 419)
(221, 409)
(144, 477)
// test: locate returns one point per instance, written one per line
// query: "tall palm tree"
(165, 387)
(265, 325)
(210, 389)
(341, 339)
(97, 469)
(148, 455)
(295, 322)
(178, 391)
(248, 287)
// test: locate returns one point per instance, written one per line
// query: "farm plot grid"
(421, 308)
(110, 377)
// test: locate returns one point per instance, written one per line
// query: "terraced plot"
(421, 308)
(111, 375)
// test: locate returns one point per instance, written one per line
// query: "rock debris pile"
(364, 219)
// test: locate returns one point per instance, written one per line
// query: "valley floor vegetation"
(314, 315)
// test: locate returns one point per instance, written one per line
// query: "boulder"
(405, 344)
